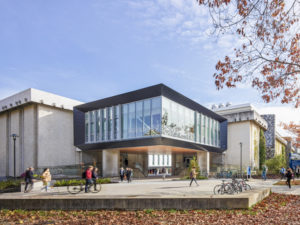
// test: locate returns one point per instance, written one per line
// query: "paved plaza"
(156, 188)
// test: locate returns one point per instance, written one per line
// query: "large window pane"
(156, 116)
(124, 121)
(139, 119)
(97, 125)
(207, 131)
(104, 124)
(92, 126)
(109, 123)
(203, 132)
(131, 119)
(116, 122)
(147, 117)
(199, 127)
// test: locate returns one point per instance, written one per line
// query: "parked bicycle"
(224, 188)
(232, 187)
(244, 185)
(92, 188)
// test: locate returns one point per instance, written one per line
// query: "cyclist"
(88, 178)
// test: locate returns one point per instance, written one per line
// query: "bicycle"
(245, 186)
(224, 188)
(93, 188)
(236, 186)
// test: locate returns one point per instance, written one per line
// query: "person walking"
(122, 173)
(88, 178)
(282, 173)
(248, 172)
(95, 176)
(264, 173)
(163, 171)
(193, 176)
(28, 178)
(128, 174)
(289, 176)
(46, 178)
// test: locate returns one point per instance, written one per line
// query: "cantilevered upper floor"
(155, 115)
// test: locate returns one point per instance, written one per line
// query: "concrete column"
(110, 163)
(203, 161)
(207, 162)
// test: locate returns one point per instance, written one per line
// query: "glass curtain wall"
(181, 122)
(151, 117)
(127, 121)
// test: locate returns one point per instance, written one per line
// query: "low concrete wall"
(242, 201)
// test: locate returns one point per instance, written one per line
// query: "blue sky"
(87, 50)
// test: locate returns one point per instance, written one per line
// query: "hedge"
(61, 183)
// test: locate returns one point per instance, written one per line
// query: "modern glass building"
(147, 130)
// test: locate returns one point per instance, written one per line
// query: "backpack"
(83, 176)
(191, 174)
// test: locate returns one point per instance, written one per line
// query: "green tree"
(194, 163)
(283, 156)
(275, 164)
(262, 149)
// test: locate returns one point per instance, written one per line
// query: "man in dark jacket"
(289, 176)
(122, 173)
(128, 174)
(28, 178)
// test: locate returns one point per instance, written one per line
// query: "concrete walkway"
(157, 188)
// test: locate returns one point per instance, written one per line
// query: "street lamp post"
(241, 160)
(14, 136)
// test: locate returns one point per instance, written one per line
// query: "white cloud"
(176, 73)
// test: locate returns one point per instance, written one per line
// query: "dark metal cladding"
(79, 129)
(148, 142)
(223, 134)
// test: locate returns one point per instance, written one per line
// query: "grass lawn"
(275, 209)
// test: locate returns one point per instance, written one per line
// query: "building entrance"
(159, 164)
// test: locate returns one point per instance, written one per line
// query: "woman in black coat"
(289, 176)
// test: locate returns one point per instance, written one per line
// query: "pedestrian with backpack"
(193, 176)
(29, 179)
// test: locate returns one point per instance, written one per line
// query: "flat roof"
(32, 95)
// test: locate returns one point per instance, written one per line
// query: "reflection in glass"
(97, 125)
(131, 120)
(151, 117)
(92, 126)
(155, 116)
(109, 123)
(147, 117)
(139, 118)
(125, 121)
(116, 123)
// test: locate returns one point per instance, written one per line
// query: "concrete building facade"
(244, 124)
(44, 125)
